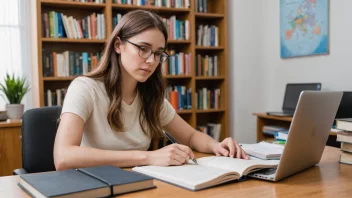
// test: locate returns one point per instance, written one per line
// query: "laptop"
(307, 135)
(291, 97)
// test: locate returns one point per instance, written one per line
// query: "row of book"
(86, 1)
(116, 18)
(157, 3)
(207, 65)
(201, 6)
(58, 25)
(180, 97)
(208, 35)
(68, 63)
(208, 99)
(212, 129)
(177, 29)
(345, 137)
(54, 97)
(177, 64)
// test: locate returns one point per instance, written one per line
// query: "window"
(15, 43)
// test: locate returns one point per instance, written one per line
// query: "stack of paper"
(264, 150)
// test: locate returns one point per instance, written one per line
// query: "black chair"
(39, 127)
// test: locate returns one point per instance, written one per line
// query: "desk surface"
(10, 123)
(327, 179)
(264, 115)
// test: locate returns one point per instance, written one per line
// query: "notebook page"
(234, 164)
(188, 175)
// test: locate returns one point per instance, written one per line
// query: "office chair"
(39, 127)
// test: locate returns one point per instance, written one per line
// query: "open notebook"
(209, 172)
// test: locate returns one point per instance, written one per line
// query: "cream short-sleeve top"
(88, 99)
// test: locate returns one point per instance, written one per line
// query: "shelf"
(70, 4)
(73, 77)
(178, 42)
(177, 76)
(209, 77)
(184, 111)
(59, 78)
(208, 15)
(151, 8)
(209, 48)
(210, 111)
(67, 40)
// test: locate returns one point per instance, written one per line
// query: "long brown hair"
(151, 92)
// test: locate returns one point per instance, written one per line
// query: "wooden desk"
(264, 119)
(10, 146)
(327, 179)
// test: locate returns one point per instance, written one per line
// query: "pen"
(174, 141)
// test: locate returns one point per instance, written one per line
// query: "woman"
(110, 115)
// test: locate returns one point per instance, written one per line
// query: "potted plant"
(14, 89)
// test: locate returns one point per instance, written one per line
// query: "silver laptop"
(308, 134)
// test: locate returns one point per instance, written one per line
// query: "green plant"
(14, 88)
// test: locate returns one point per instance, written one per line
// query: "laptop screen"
(293, 90)
(345, 108)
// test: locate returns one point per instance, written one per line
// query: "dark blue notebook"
(100, 181)
(120, 180)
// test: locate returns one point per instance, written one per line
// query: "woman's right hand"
(173, 154)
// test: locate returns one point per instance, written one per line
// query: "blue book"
(61, 32)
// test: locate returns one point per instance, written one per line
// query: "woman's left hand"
(229, 148)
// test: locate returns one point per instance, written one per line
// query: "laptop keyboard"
(268, 171)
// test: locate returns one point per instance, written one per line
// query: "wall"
(34, 54)
(334, 71)
(246, 86)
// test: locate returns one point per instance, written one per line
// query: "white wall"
(246, 85)
(334, 71)
(34, 54)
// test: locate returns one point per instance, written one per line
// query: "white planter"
(14, 111)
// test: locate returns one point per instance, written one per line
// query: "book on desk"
(100, 181)
(209, 172)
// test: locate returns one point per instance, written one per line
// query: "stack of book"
(99, 181)
(345, 137)
(279, 132)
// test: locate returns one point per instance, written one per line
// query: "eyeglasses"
(145, 52)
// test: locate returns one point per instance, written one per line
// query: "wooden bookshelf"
(216, 15)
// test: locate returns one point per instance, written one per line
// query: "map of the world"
(303, 27)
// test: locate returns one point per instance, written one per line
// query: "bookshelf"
(216, 16)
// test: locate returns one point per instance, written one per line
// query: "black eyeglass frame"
(151, 52)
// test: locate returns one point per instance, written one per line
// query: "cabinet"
(10, 147)
(264, 119)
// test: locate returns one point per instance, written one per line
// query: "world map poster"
(304, 27)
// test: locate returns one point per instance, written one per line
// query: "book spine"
(98, 178)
